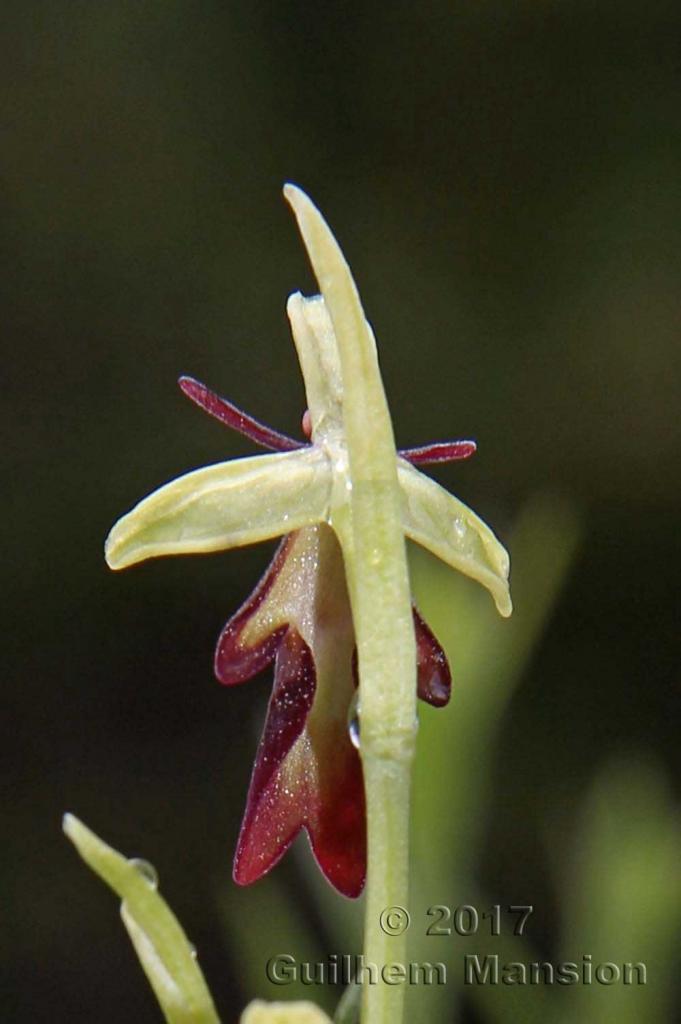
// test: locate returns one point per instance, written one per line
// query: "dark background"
(504, 179)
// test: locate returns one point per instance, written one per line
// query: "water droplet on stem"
(353, 721)
(146, 870)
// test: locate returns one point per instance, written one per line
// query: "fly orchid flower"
(301, 615)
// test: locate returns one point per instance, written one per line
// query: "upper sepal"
(319, 360)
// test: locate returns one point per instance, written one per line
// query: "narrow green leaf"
(166, 955)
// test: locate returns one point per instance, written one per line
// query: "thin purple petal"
(235, 418)
(441, 451)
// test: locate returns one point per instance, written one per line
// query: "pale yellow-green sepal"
(224, 506)
(315, 342)
(441, 523)
(165, 953)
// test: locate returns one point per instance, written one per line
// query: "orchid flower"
(301, 615)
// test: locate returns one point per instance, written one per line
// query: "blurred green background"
(504, 179)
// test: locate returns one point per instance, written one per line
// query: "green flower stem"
(372, 537)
